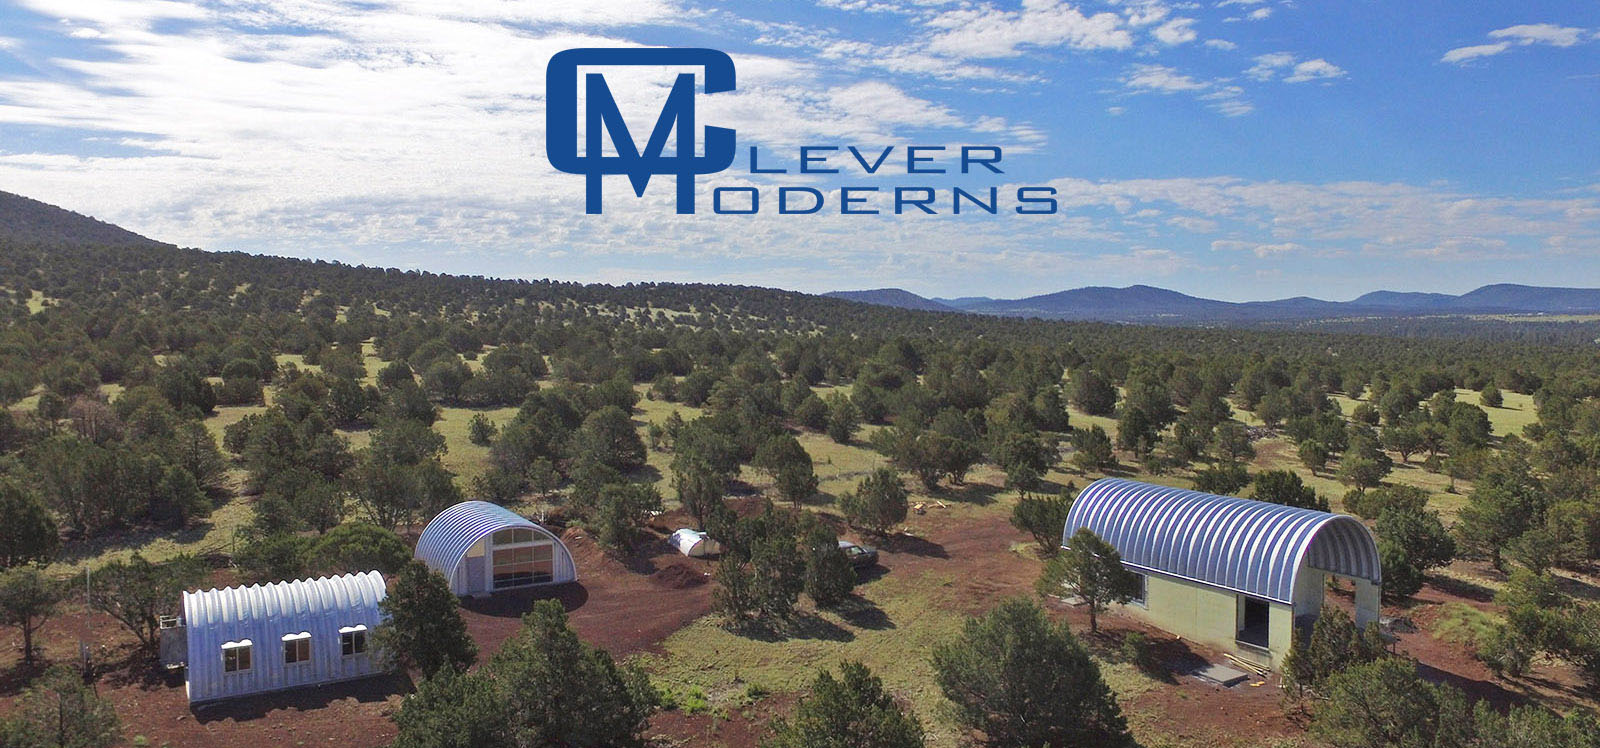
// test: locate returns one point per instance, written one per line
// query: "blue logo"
(602, 117)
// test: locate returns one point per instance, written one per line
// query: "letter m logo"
(602, 117)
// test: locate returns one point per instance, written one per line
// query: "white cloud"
(1267, 65)
(1464, 54)
(1257, 248)
(1220, 95)
(1159, 79)
(1223, 44)
(1313, 70)
(1176, 31)
(1271, 66)
(1521, 35)
(986, 32)
(1540, 33)
(1259, 14)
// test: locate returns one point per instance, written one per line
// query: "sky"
(1233, 149)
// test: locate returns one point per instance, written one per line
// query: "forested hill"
(95, 304)
(27, 220)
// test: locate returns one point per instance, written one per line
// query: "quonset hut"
(483, 548)
(271, 637)
(1233, 573)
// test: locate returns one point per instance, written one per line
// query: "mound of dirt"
(678, 576)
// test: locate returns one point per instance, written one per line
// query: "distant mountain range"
(895, 297)
(1151, 304)
(24, 220)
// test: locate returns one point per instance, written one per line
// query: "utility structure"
(238, 641)
(1236, 574)
(483, 548)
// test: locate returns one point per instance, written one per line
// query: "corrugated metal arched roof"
(1248, 546)
(453, 531)
(299, 599)
(261, 615)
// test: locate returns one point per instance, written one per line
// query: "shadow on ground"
(366, 690)
(514, 603)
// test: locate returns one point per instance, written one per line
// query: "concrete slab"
(1221, 675)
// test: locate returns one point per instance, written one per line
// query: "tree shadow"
(133, 539)
(17, 677)
(977, 494)
(913, 545)
(863, 614)
(645, 474)
(139, 667)
(256, 706)
(1461, 588)
(1576, 587)
(798, 626)
(514, 603)
(870, 574)
(1496, 694)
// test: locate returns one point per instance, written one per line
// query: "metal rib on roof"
(1248, 546)
(453, 531)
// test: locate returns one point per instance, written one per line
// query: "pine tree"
(1026, 682)
(852, 711)
(1090, 568)
(424, 629)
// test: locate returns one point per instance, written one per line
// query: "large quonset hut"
(483, 548)
(271, 637)
(1233, 573)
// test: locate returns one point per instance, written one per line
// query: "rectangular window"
(353, 640)
(236, 656)
(1142, 588)
(296, 648)
(513, 536)
(524, 565)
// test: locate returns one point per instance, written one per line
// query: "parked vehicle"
(861, 556)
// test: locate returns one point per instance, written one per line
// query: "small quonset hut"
(483, 548)
(271, 637)
(1233, 573)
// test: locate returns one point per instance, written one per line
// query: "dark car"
(860, 556)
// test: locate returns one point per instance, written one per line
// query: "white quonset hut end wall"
(272, 637)
(482, 548)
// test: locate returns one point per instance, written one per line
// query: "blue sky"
(1236, 149)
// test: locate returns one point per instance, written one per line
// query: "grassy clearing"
(215, 533)
(1516, 411)
(37, 302)
(893, 633)
(1464, 625)
(462, 457)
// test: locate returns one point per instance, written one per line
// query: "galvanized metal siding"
(264, 614)
(449, 535)
(1248, 546)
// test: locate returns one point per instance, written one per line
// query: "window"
(1141, 588)
(524, 565)
(236, 656)
(296, 647)
(513, 536)
(353, 640)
